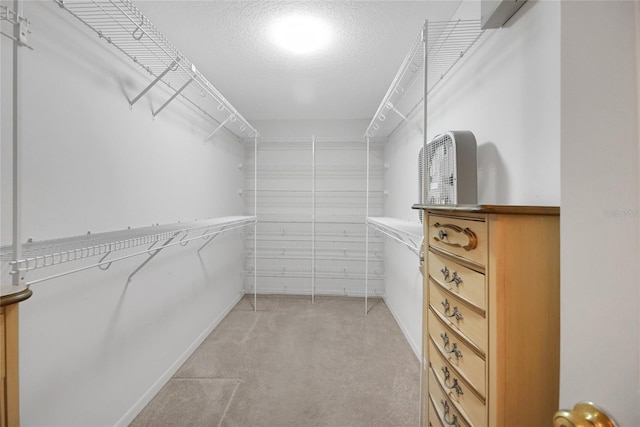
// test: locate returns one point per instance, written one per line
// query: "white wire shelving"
(311, 234)
(124, 27)
(406, 232)
(441, 45)
(15, 18)
(433, 54)
(49, 253)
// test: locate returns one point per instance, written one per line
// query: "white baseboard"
(133, 412)
(417, 349)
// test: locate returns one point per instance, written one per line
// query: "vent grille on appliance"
(448, 169)
(441, 171)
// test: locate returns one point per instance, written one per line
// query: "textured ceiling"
(229, 43)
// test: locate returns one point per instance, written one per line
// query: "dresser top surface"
(491, 209)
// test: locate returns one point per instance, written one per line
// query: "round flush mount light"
(300, 34)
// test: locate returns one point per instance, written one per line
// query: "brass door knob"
(583, 414)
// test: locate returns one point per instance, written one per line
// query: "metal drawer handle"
(445, 407)
(446, 373)
(455, 313)
(445, 339)
(454, 386)
(443, 236)
(455, 279)
(454, 276)
(454, 349)
(454, 346)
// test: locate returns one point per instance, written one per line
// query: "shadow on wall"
(493, 185)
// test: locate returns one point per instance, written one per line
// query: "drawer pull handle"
(454, 349)
(454, 346)
(445, 339)
(455, 313)
(454, 386)
(455, 279)
(446, 373)
(443, 236)
(445, 407)
(454, 276)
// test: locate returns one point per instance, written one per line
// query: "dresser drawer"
(461, 237)
(459, 392)
(455, 349)
(459, 315)
(462, 281)
(433, 419)
(445, 412)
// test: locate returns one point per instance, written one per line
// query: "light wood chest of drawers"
(9, 387)
(491, 322)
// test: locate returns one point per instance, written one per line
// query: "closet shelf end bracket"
(171, 67)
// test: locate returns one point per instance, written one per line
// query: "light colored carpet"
(295, 364)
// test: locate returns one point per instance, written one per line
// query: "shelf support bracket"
(184, 86)
(155, 81)
(20, 23)
(210, 238)
(151, 256)
(391, 107)
(231, 118)
(413, 244)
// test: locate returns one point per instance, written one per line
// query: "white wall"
(506, 92)
(600, 209)
(403, 288)
(93, 348)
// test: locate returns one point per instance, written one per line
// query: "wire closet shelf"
(124, 27)
(406, 232)
(446, 42)
(48, 253)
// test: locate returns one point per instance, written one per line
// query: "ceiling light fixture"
(300, 34)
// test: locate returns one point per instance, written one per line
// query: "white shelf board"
(408, 233)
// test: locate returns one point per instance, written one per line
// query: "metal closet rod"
(123, 26)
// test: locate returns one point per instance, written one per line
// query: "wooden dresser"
(9, 390)
(491, 319)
